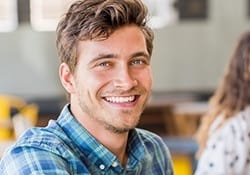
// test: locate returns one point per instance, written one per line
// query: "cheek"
(148, 81)
(145, 78)
(96, 81)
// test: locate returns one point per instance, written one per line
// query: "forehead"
(124, 41)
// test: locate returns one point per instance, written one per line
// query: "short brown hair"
(97, 20)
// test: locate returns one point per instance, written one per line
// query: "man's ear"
(67, 78)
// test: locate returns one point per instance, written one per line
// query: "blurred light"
(45, 14)
(8, 15)
(161, 12)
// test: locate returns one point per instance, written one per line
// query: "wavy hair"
(233, 93)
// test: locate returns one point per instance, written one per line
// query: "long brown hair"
(233, 92)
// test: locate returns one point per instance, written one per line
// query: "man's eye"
(104, 64)
(138, 62)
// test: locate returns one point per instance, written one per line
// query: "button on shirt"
(65, 147)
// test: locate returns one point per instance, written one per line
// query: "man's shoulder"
(39, 136)
(41, 139)
(156, 148)
(37, 150)
(149, 138)
(147, 135)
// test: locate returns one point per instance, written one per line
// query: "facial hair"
(108, 125)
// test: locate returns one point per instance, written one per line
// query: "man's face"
(113, 80)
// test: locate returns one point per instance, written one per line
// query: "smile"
(121, 99)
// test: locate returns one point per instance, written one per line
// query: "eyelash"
(137, 62)
(104, 64)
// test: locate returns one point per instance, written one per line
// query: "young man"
(105, 49)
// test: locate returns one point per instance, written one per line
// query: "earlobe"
(66, 78)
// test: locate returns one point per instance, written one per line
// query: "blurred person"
(224, 134)
(105, 48)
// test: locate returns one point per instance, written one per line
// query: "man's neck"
(116, 143)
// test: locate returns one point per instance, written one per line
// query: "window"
(8, 15)
(45, 14)
(161, 12)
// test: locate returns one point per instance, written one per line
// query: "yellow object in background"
(30, 112)
(5, 120)
(13, 101)
(182, 164)
(4, 108)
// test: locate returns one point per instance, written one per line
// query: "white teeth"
(120, 99)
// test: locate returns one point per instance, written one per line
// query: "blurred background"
(193, 41)
(192, 44)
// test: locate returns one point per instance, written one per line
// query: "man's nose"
(125, 79)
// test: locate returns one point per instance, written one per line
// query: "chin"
(121, 129)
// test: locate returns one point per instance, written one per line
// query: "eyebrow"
(144, 54)
(105, 56)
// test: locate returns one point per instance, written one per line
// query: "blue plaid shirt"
(65, 147)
